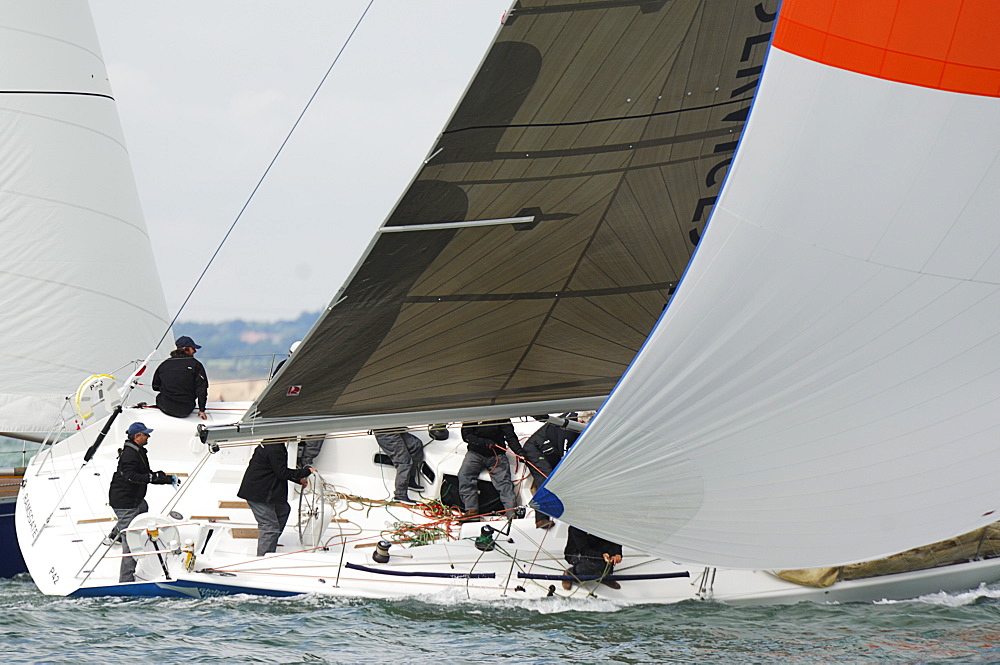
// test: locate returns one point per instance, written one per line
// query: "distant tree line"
(245, 349)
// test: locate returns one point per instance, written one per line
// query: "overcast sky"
(208, 90)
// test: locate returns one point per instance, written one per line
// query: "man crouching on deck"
(265, 490)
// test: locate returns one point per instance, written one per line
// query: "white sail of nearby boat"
(79, 290)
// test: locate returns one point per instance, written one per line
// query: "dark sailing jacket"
(484, 437)
(581, 545)
(267, 476)
(551, 441)
(128, 484)
(179, 382)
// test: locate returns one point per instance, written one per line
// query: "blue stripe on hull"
(175, 589)
(11, 562)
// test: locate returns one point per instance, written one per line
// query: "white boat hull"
(205, 536)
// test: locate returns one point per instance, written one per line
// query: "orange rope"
(344, 543)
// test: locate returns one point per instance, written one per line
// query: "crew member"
(544, 449)
(291, 351)
(265, 489)
(127, 494)
(407, 453)
(588, 554)
(181, 381)
(485, 442)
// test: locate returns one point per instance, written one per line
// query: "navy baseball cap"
(138, 428)
(186, 341)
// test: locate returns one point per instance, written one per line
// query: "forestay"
(825, 385)
(535, 249)
(79, 285)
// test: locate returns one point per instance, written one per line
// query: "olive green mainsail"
(538, 244)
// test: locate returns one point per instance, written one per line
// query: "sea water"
(944, 628)
(15, 452)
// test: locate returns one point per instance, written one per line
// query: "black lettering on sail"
(751, 42)
(711, 179)
(699, 210)
(747, 87)
(715, 175)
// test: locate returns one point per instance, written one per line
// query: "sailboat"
(72, 222)
(814, 389)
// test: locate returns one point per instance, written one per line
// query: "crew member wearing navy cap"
(180, 381)
(127, 494)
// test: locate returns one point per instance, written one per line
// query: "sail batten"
(452, 225)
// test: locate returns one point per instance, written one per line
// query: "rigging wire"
(265, 174)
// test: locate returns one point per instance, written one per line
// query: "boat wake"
(552, 605)
(946, 599)
(450, 598)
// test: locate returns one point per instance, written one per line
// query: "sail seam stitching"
(64, 122)
(576, 123)
(78, 207)
(584, 173)
(542, 295)
(84, 289)
(881, 264)
(57, 39)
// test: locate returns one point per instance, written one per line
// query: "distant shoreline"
(236, 390)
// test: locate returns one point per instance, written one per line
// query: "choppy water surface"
(961, 628)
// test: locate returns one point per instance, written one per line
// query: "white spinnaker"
(825, 386)
(79, 291)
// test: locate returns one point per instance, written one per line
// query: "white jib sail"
(825, 386)
(79, 289)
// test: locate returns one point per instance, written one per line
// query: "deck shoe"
(567, 584)
(611, 583)
(404, 499)
(469, 516)
(414, 485)
(544, 524)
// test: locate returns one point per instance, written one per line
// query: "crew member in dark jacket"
(544, 449)
(127, 494)
(180, 381)
(485, 441)
(265, 488)
(588, 554)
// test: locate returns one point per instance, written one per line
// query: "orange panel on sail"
(943, 44)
